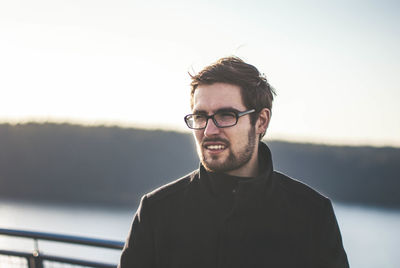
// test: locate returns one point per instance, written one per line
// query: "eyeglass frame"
(237, 114)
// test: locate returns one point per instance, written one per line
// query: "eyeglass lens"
(221, 119)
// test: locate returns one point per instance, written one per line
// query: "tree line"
(102, 165)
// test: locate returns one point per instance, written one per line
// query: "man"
(235, 210)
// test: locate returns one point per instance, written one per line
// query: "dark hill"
(115, 166)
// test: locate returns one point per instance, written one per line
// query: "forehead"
(216, 96)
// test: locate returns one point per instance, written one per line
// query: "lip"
(222, 147)
(213, 143)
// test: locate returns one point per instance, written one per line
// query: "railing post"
(35, 261)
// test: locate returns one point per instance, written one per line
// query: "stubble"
(234, 160)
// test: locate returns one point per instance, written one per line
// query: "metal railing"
(35, 259)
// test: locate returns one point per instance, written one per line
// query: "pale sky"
(334, 64)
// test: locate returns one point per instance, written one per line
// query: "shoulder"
(171, 189)
(299, 191)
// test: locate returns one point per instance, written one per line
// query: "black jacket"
(272, 221)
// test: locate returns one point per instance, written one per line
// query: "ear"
(263, 120)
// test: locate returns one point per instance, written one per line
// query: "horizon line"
(171, 128)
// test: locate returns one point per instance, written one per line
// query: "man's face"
(230, 150)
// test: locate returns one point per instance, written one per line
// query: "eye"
(198, 117)
(225, 116)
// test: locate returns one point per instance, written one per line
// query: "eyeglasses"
(221, 119)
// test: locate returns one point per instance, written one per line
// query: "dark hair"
(255, 90)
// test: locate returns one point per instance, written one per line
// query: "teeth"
(215, 147)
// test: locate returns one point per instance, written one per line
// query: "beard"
(234, 160)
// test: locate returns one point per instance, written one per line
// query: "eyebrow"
(223, 109)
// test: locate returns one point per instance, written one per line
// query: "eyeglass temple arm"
(246, 112)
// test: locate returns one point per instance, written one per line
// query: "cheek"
(239, 138)
(198, 136)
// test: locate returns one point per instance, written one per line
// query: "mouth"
(214, 146)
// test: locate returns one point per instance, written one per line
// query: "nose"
(211, 128)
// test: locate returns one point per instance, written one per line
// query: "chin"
(213, 169)
(216, 166)
(211, 164)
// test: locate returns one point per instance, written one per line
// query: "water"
(103, 223)
(371, 236)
